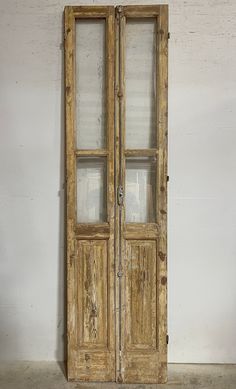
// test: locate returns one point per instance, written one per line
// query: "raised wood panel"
(94, 350)
(92, 294)
(140, 354)
(140, 280)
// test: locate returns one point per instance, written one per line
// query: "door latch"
(120, 195)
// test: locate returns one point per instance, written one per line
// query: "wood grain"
(122, 301)
(70, 188)
(91, 153)
(141, 11)
(91, 272)
(90, 265)
(140, 281)
(117, 183)
(117, 271)
(141, 152)
(144, 244)
(162, 110)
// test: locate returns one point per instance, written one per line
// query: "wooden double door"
(116, 175)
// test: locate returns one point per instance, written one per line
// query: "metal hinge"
(168, 35)
(168, 178)
(167, 339)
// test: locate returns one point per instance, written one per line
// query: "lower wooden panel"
(92, 295)
(94, 353)
(141, 318)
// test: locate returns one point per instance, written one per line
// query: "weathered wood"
(91, 272)
(94, 361)
(141, 231)
(117, 208)
(92, 231)
(117, 271)
(70, 187)
(141, 295)
(110, 56)
(91, 11)
(162, 110)
(91, 153)
(141, 152)
(122, 302)
(144, 244)
(141, 11)
(140, 356)
(90, 265)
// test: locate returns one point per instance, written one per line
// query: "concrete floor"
(49, 375)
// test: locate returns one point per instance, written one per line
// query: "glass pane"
(91, 190)
(140, 193)
(90, 83)
(140, 83)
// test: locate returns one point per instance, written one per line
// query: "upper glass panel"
(140, 193)
(140, 79)
(90, 83)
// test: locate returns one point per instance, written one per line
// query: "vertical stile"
(162, 187)
(110, 51)
(122, 183)
(70, 185)
(117, 183)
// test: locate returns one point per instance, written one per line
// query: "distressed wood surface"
(141, 314)
(117, 283)
(143, 294)
(110, 57)
(162, 111)
(122, 117)
(92, 276)
(91, 153)
(91, 11)
(117, 183)
(91, 324)
(141, 231)
(141, 152)
(141, 11)
(70, 189)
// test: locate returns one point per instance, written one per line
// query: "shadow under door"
(116, 175)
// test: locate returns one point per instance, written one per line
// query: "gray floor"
(49, 375)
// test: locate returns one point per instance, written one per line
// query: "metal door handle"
(120, 195)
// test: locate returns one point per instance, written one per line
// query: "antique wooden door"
(116, 176)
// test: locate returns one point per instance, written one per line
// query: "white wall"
(202, 189)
